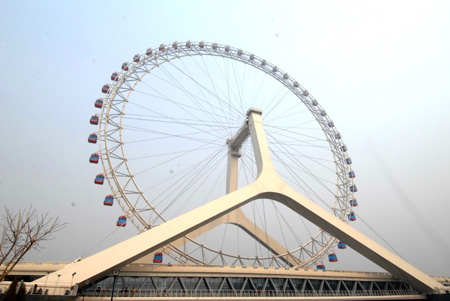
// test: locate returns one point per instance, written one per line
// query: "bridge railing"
(230, 293)
(60, 290)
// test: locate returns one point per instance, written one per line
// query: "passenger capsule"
(343, 148)
(98, 103)
(92, 138)
(274, 69)
(109, 200)
(99, 179)
(323, 113)
(240, 52)
(305, 93)
(94, 120)
(149, 52)
(263, 63)
(136, 58)
(214, 46)
(353, 188)
(351, 174)
(115, 76)
(353, 203)
(158, 258)
(341, 245)
(122, 221)
(315, 103)
(162, 47)
(348, 161)
(352, 217)
(201, 44)
(338, 136)
(252, 57)
(227, 49)
(332, 257)
(331, 124)
(105, 89)
(188, 44)
(175, 45)
(94, 158)
(125, 66)
(321, 267)
(285, 76)
(296, 85)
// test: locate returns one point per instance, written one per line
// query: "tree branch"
(21, 232)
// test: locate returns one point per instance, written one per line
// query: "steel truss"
(176, 286)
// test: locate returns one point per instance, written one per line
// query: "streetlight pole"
(115, 273)
(45, 285)
(56, 285)
(87, 286)
(71, 281)
(73, 275)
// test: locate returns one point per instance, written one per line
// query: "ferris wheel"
(173, 119)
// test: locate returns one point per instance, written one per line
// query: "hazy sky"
(380, 68)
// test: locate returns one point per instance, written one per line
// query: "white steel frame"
(128, 192)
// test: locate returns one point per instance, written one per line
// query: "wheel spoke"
(163, 132)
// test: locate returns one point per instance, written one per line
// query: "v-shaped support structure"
(237, 217)
(268, 185)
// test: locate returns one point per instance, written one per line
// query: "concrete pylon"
(268, 185)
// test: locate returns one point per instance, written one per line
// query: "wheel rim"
(182, 102)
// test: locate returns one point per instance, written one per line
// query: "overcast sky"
(380, 68)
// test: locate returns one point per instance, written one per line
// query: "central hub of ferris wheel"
(234, 146)
(235, 143)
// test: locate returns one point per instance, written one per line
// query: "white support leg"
(268, 185)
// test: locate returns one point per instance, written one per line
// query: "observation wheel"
(172, 136)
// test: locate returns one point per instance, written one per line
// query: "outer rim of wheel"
(120, 91)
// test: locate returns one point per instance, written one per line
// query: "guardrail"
(262, 294)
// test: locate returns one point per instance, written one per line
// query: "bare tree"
(21, 232)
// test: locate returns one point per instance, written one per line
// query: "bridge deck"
(215, 282)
